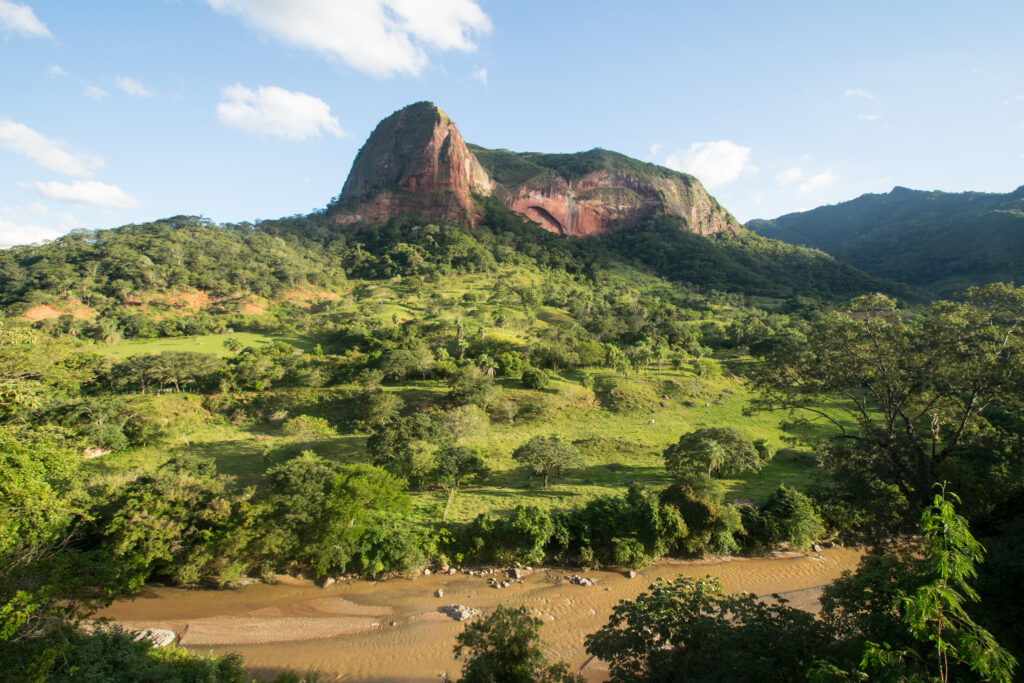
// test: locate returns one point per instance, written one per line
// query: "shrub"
(535, 378)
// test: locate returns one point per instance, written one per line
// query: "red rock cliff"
(414, 161)
(610, 200)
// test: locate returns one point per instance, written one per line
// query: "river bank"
(393, 630)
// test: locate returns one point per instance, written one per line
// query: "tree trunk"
(447, 506)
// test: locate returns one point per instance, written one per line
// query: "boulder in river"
(460, 612)
(157, 637)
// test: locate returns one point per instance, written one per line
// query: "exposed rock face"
(607, 200)
(416, 161)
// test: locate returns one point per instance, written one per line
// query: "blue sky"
(118, 111)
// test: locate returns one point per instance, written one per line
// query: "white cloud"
(21, 19)
(12, 233)
(379, 37)
(816, 182)
(30, 223)
(48, 153)
(860, 92)
(869, 117)
(715, 163)
(479, 75)
(789, 176)
(133, 87)
(94, 93)
(56, 71)
(655, 148)
(88, 192)
(276, 111)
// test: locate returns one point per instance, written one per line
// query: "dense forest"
(939, 241)
(197, 404)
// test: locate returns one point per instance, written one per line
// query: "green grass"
(620, 445)
(206, 343)
(621, 427)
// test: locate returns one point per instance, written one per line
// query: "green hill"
(936, 240)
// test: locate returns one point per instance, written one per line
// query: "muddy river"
(393, 630)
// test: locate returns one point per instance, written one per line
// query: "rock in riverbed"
(157, 637)
(460, 612)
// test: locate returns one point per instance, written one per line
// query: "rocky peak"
(415, 160)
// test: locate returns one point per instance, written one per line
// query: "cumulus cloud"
(715, 163)
(88, 192)
(95, 93)
(276, 111)
(20, 139)
(12, 233)
(817, 182)
(654, 149)
(56, 71)
(789, 176)
(133, 87)
(21, 19)
(860, 92)
(479, 75)
(31, 223)
(379, 37)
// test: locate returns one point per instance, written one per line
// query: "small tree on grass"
(535, 378)
(505, 648)
(547, 454)
(712, 450)
(308, 428)
(456, 464)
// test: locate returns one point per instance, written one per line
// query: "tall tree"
(547, 454)
(913, 391)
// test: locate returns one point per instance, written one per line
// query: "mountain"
(940, 241)
(416, 161)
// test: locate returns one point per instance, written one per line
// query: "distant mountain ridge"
(416, 161)
(941, 241)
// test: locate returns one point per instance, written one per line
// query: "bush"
(308, 428)
(535, 378)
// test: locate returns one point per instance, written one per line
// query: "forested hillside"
(940, 241)
(200, 404)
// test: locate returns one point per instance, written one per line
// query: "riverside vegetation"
(289, 397)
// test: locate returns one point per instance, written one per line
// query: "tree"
(487, 365)
(687, 630)
(511, 364)
(469, 385)
(935, 614)
(547, 454)
(789, 516)
(454, 465)
(915, 391)
(712, 450)
(535, 378)
(505, 648)
(378, 408)
(308, 428)
(587, 380)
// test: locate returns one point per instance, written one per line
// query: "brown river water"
(393, 630)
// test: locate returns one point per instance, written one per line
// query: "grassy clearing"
(620, 437)
(621, 427)
(206, 343)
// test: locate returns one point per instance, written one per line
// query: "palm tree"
(487, 364)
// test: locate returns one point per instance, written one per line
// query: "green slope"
(937, 240)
